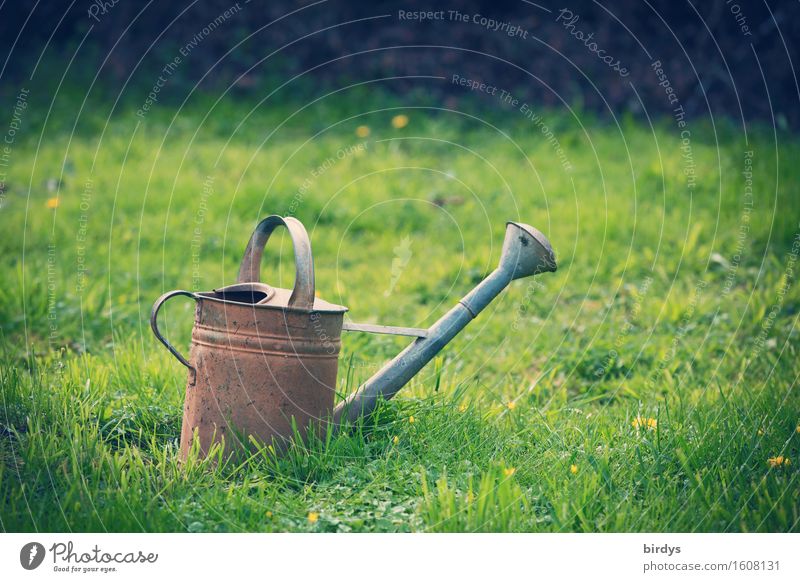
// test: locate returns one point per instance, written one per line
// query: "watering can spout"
(526, 252)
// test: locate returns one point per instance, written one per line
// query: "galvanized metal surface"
(385, 329)
(302, 296)
(526, 251)
(154, 326)
(264, 358)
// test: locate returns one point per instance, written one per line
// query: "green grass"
(657, 312)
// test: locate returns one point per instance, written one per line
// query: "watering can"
(263, 360)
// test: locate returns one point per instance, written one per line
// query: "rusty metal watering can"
(263, 360)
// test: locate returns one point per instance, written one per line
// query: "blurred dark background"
(723, 58)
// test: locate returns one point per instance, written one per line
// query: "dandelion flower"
(269, 515)
(52, 202)
(411, 420)
(462, 408)
(399, 121)
(573, 469)
(313, 516)
(510, 471)
(396, 439)
(511, 405)
(797, 430)
(362, 131)
(641, 422)
(760, 432)
(775, 461)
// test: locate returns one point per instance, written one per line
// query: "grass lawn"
(649, 385)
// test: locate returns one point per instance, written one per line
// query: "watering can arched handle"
(303, 293)
(154, 325)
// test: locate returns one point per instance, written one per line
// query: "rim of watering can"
(536, 234)
(274, 298)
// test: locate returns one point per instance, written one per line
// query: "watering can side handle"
(249, 272)
(154, 325)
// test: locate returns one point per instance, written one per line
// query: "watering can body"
(263, 360)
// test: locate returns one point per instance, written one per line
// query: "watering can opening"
(247, 293)
(260, 295)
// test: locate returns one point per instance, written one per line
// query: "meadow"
(650, 384)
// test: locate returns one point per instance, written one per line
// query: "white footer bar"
(401, 557)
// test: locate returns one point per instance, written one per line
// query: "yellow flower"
(362, 131)
(269, 514)
(760, 432)
(797, 430)
(641, 422)
(396, 439)
(573, 469)
(313, 516)
(52, 202)
(399, 121)
(775, 461)
(411, 420)
(779, 461)
(510, 471)
(462, 408)
(511, 405)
